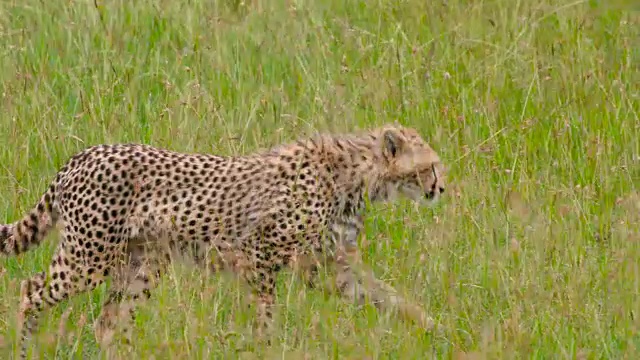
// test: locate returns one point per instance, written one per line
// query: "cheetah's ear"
(392, 143)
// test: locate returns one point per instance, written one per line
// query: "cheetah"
(125, 211)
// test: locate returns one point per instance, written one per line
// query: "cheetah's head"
(411, 167)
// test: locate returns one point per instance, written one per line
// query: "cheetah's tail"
(28, 232)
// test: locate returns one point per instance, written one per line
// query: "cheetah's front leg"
(353, 281)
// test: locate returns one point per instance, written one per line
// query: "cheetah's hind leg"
(133, 281)
(46, 289)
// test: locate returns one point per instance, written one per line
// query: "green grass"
(533, 105)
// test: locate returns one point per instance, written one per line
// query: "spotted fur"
(125, 211)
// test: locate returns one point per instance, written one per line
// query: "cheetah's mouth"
(419, 195)
(414, 193)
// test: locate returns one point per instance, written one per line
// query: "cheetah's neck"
(357, 169)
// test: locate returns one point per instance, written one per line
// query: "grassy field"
(533, 105)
